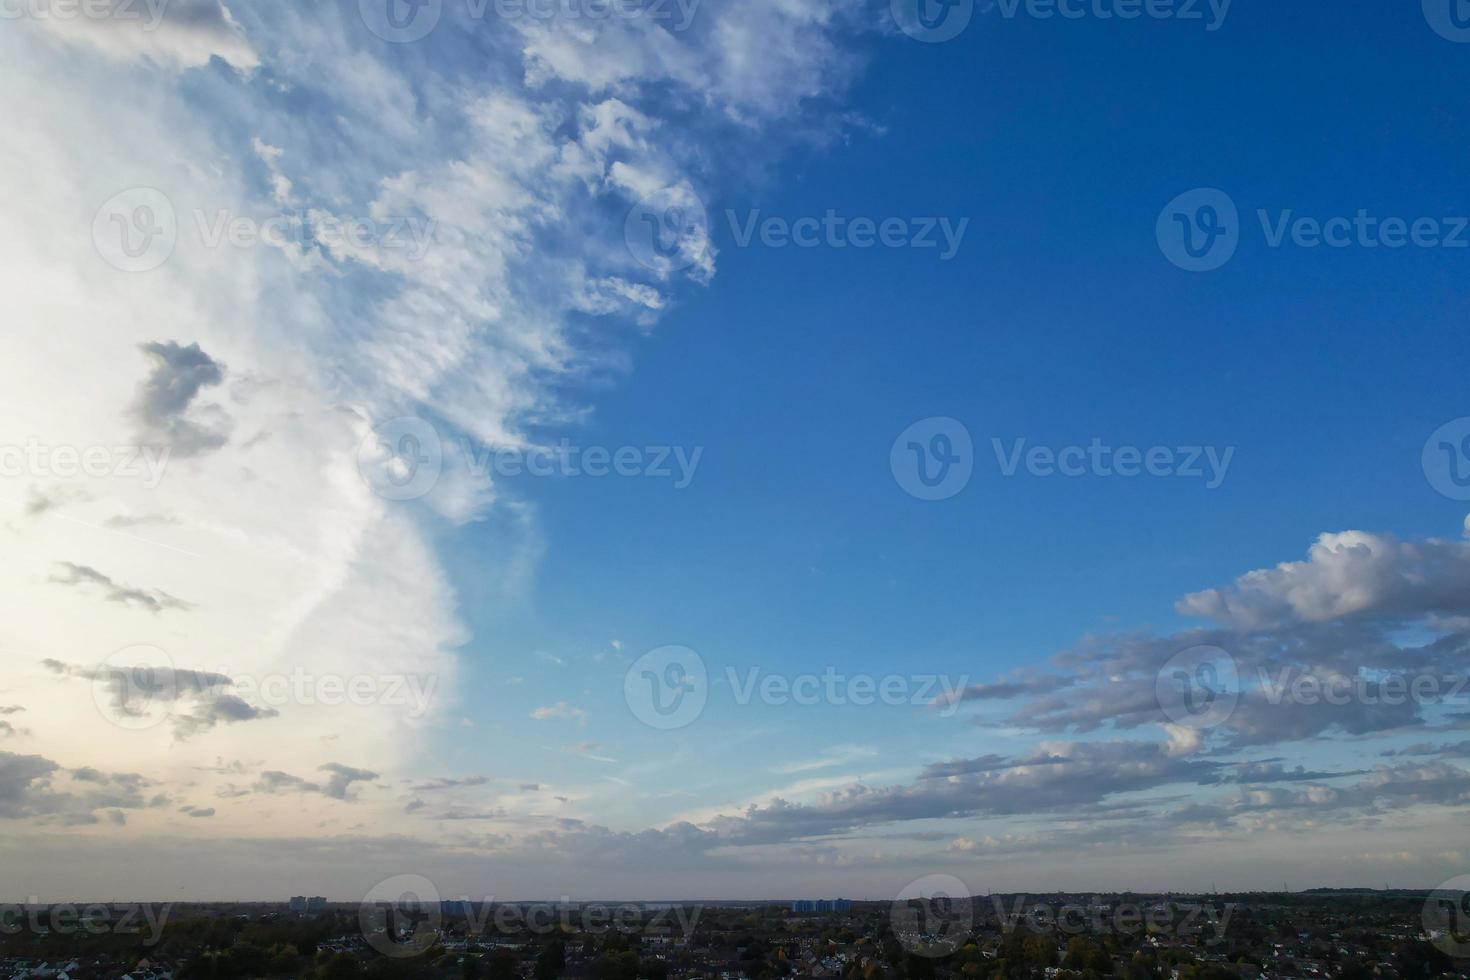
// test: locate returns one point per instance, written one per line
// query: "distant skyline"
(731, 449)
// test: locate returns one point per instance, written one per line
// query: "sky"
(726, 450)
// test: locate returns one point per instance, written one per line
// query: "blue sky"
(1057, 321)
(278, 376)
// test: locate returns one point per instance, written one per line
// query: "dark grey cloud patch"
(32, 786)
(166, 407)
(339, 782)
(196, 700)
(153, 600)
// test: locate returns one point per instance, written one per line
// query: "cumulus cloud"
(1348, 574)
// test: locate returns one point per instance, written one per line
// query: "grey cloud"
(197, 812)
(153, 600)
(1006, 690)
(165, 408)
(1055, 777)
(133, 690)
(54, 498)
(29, 789)
(433, 785)
(342, 777)
(1457, 750)
(339, 781)
(984, 763)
